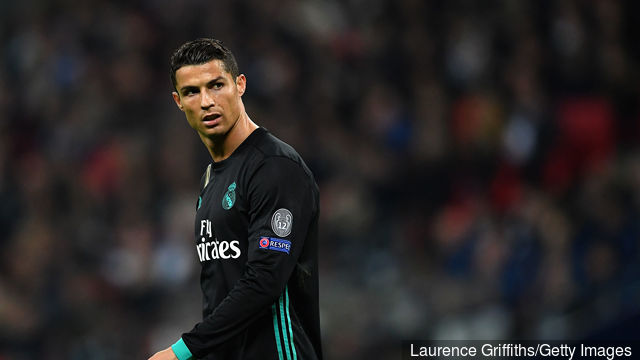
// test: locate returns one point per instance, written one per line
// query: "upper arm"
(282, 200)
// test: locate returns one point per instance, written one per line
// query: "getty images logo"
(211, 248)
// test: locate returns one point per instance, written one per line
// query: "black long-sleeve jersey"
(256, 236)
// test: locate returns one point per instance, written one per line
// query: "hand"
(166, 354)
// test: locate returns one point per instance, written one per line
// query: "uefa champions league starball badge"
(281, 222)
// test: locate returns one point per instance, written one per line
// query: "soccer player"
(256, 223)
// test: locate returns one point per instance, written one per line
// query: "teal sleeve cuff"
(181, 350)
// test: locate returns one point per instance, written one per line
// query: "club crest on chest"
(229, 197)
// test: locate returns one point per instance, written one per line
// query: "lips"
(211, 120)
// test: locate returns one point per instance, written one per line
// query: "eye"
(218, 85)
(190, 92)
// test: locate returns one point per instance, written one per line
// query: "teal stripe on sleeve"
(284, 328)
(276, 330)
(293, 345)
(181, 350)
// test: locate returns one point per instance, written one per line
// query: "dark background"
(478, 162)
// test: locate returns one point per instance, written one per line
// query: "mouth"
(211, 120)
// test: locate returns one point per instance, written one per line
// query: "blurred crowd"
(478, 162)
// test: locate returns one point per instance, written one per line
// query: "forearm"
(254, 294)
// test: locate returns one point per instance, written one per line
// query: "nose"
(206, 100)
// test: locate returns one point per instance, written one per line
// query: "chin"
(215, 132)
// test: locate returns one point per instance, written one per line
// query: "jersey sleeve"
(283, 202)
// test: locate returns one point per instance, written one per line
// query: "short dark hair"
(200, 51)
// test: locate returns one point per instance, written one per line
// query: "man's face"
(209, 97)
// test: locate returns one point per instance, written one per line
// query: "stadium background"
(478, 162)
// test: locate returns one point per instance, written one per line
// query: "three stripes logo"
(282, 327)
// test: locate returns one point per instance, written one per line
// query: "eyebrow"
(216, 80)
(191, 87)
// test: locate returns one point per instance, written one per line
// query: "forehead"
(193, 75)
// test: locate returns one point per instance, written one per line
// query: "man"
(256, 223)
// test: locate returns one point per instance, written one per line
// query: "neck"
(222, 147)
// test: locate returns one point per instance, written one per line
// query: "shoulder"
(268, 145)
(273, 154)
(272, 157)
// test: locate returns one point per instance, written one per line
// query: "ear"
(241, 84)
(176, 98)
